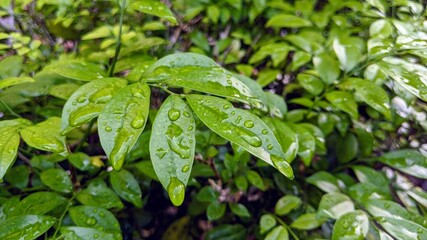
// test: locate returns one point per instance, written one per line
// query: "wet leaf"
(153, 7)
(126, 186)
(347, 52)
(240, 210)
(25, 227)
(122, 120)
(403, 229)
(87, 102)
(365, 191)
(327, 67)
(306, 143)
(79, 70)
(39, 203)
(18, 176)
(57, 179)
(334, 205)
(267, 222)
(82, 161)
(94, 217)
(215, 210)
(343, 101)
(367, 174)
(172, 146)
(207, 194)
(82, 233)
(63, 91)
(278, 232)
(242, 128)
(255, 179)
(200, 73)
(45, 136)
(98, 194)
(385, 208)
(380, 29)
(310, 83)
(287, 21)
(347, 148)
(227, 231)
(11, 81)
(325, 181)
(408, 161)
(373, 95)
(307, 221)
(287, 138)
(276, 105)
(286, 204)
(352, 225)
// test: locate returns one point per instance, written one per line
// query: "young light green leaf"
(57, 179)
(63, 91)
(365, 191)
(278, 232)
(419, 195)
(287, 138)
(122, 121)
(287, 21)
(255, 179)
(344, 101)
(81, 233)
(352, 225)
(94, 217)
(286, 204)
(7, 82)
(126, 186)
(79, 70)
(98, 194)
(267, 222)
(25, 227)
(215, 210)
(39, 203)
(373, 95)
(198, 72)
(45, 136)
(241, 128)
(334, 205)
(402, 228)
(154, 7)
(327, 67)
(299, 59)
(408, 161)
(380, 29)
(172, 146)
(347, 52)
(240, 210)
(87, 102)
(277, 51)
(325, 181)
(307, 221)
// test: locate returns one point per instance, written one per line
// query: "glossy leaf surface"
(57, 179)
(126, 186)
(287, 21)
(286, 204)
(403, 229)
(79, 70)
(25, 227)
(122, 121)
(155, 8)
(325, 181)
(267, 222)
(343, 101)
(94, 217)
(287, 138)
(409, 161)
(242, 128)
(307, 221)
(99, 195)
(172, 146)
(352, 225)
(82, 233)
(373, 95)
(4, 83)
(327, 67)
(334, 205)
(278, 232)
(39, 203)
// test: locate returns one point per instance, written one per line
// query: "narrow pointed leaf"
(122, 121)
(25, 227)
(87, 102)
(4, 83)
(408, 161)
(172, 146)
(403, 229)
(352, 225)
(242, 128)
(287, 138)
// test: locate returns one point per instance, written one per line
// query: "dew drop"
(282, 166)
(108, 129)
(186, 114)
(254, 141)
(233, 113)
(174, 114)
(270, 146)
(229, 82)
(96, 235)
(160, 152)
(74, 103)
(81, 99)
(138, 122)
(91, 221)
(102, 214)
(239, 118)
(264, 131)
(190, 128)
(186, 168)
(249, 124)
(176, 191)
(226, 106)
(420, 230)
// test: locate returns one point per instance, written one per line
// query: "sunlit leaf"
(7, 82)
(286, 204)
(94, 217)
(334, 205)
(352, 225)
(287, 21)
(408, 161)
(155, 8)
(25, 227)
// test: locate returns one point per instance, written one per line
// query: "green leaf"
(287, 21)
(367, 174)
(278, 232)
(325, 181)
(334, 205)
(179, 229)
(240, 210)
(39, 203)
(286, 204)
(9, 142)
(267, 222)
(310, 83)
(299, 59)
(122, 121)
(364, 191)
(63, 91)
(87, 102)
(200, 73)
(344, 101)
(172, 146)
(276, 104)
(57, 179)
(7, 82)
(242, 128)
(347, 148)
(347, 52)
(380, 29)
(79, 70)
(82, 233)
(207, 194)
(419, 195)
(215, 210)
(307, 221)
(25, 227)
(408, 161)
(146, 167)
(255, 179)
(227, 232)
(94, 217)
(373, 95)
(403, 229)
(352, 225)
(82, 161)
(126, 186)
(8, 208)
(287, 138)
(98, 194)
(213, 13)
(327, 67)
(18, 176)
(11, 66)
(155, 8)
(277, 51)
(385, 208)
(306, 143)
(45, 136)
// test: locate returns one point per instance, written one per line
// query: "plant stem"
(119, 38)
(69, 203)
(9, 109)
(287, 227)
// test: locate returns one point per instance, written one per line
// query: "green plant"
(112, 116)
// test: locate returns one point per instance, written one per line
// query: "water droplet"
(91, 221)
(186, 168)
(264, 131)
(74, 103)
(420, 230)
(226, 106)
(249, 124)
(138, 93)
(233, 113)
(346, 225)
(254, 141)
(96, 235)
(239, 118)
(108, 129)
(138, 122)
(190, 128)
(160, 152)
(81, 99)
(102, 214)
(174, 114)
(282, 166)
(186, 114)
(229, 82)
(270, 146)
(176, 191)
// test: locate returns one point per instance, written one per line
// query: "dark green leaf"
(215, 210)
(126, 186)
(82, 161)
(343, 101)
(373, 95)
(267, 222)
(98, 194)
(306, 143)
(408, 161)
(122, 121)
(207, 194)
(39, 203)
(352, 225)
(172, 146)
(94, 217)
(227, 232)
(347, 148)
(18, 176)
(25, 227)
(57, 179)
(240, 210)
(287, 138)
(310, 83)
